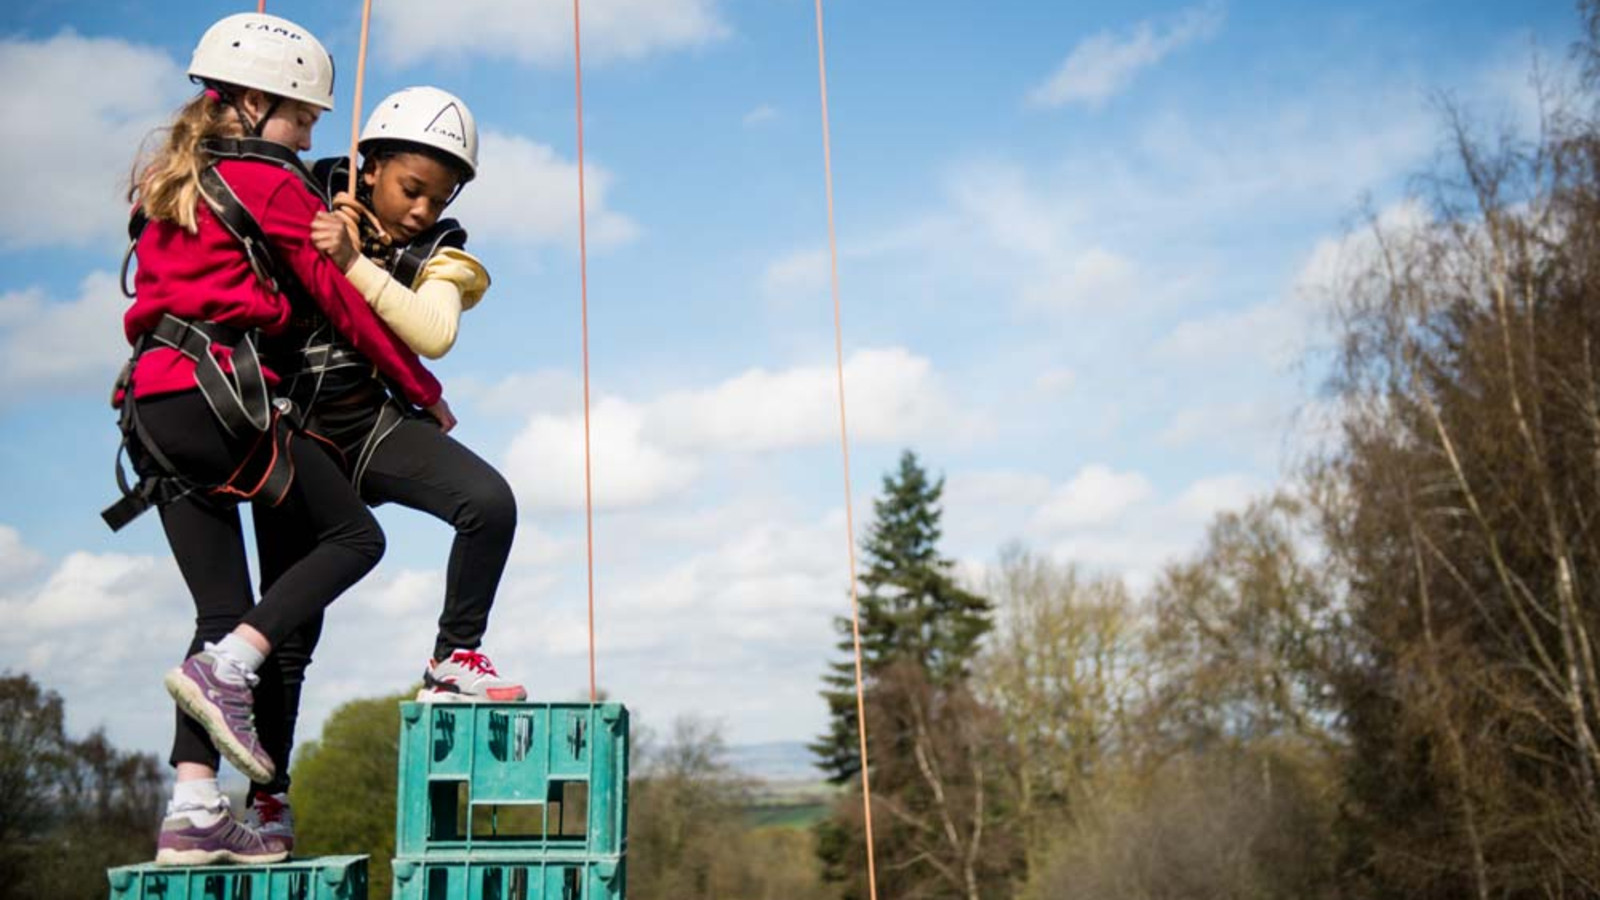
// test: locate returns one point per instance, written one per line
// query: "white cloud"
(1095, 496)
(1104, 64)
(1281, 331)
(1335, 260)
(806, 272)
(647, 451)
(745, 619)
(893, 395)
(100, 629)
(1055, 382)
(724, 610)
(1257, 423)
(1095, 279)
(1274, 332)
(536, 548)
(760, 115)
(412, 31)
(48, 345)
(1109, 521)
(1046, 240)
(18, 561)
(800, 272)
(1010, 212)
(545, 462)
(520, 395)
(1201, 501)
(527, 193)
(76, 112)
(88, 588)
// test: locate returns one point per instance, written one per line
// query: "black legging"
(343, 542)
(420, 467)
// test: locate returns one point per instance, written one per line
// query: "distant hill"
(789, 791)
(776, 761)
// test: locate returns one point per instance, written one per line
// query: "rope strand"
(844, 444)
(583, 274)
(355, 114)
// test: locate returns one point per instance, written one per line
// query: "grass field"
(785, 815)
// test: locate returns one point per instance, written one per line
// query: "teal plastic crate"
(323, 878)
(483, 878)
(513, 778)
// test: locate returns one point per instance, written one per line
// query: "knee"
(373, 545)
(365, 539)
(489, 508)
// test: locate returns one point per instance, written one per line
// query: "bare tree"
(1465, 521)
(1060, 672)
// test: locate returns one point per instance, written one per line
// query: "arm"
(287, 222)
(427, 318)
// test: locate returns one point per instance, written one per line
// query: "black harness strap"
(261, 150)
(407, 262)
(241, 404)
(240, 399)
(225, 204)
(136, 223)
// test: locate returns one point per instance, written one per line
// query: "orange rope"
(261, 6)
(844, 443)
(355, 114)
(583, 270)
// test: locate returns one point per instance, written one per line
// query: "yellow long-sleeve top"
(427, 314)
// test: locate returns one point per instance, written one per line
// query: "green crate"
(324, 878)
(469, 877)
(525, 778)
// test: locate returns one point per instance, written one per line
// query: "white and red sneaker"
(467, 676)
(271, 817)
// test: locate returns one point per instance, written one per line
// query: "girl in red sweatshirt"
(225, 259)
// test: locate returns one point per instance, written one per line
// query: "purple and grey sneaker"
(225, 711)
(183, 843)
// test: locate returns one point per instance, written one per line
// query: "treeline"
(68, 808)
(1380, 681)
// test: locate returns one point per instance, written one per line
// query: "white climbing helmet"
(253, 50)
(427, 116)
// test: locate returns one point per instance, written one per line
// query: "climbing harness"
(240, 399)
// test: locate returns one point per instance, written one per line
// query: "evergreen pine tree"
(911, 609)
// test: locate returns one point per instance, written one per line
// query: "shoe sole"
(430, 696)
(213, 857)
(193, 701)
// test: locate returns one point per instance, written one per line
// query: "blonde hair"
(167, 184)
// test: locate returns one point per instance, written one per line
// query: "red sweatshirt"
(206, 277)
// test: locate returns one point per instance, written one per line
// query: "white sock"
(201, 800)
(245, 658)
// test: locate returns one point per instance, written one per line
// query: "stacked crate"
(326, 878)
(512, 801)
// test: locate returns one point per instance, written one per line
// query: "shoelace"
(268, 809)
(475, 661)
(240, 836)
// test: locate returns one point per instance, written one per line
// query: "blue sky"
(1085, 253)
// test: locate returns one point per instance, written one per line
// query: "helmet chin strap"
(260, 124)
(253, 126)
